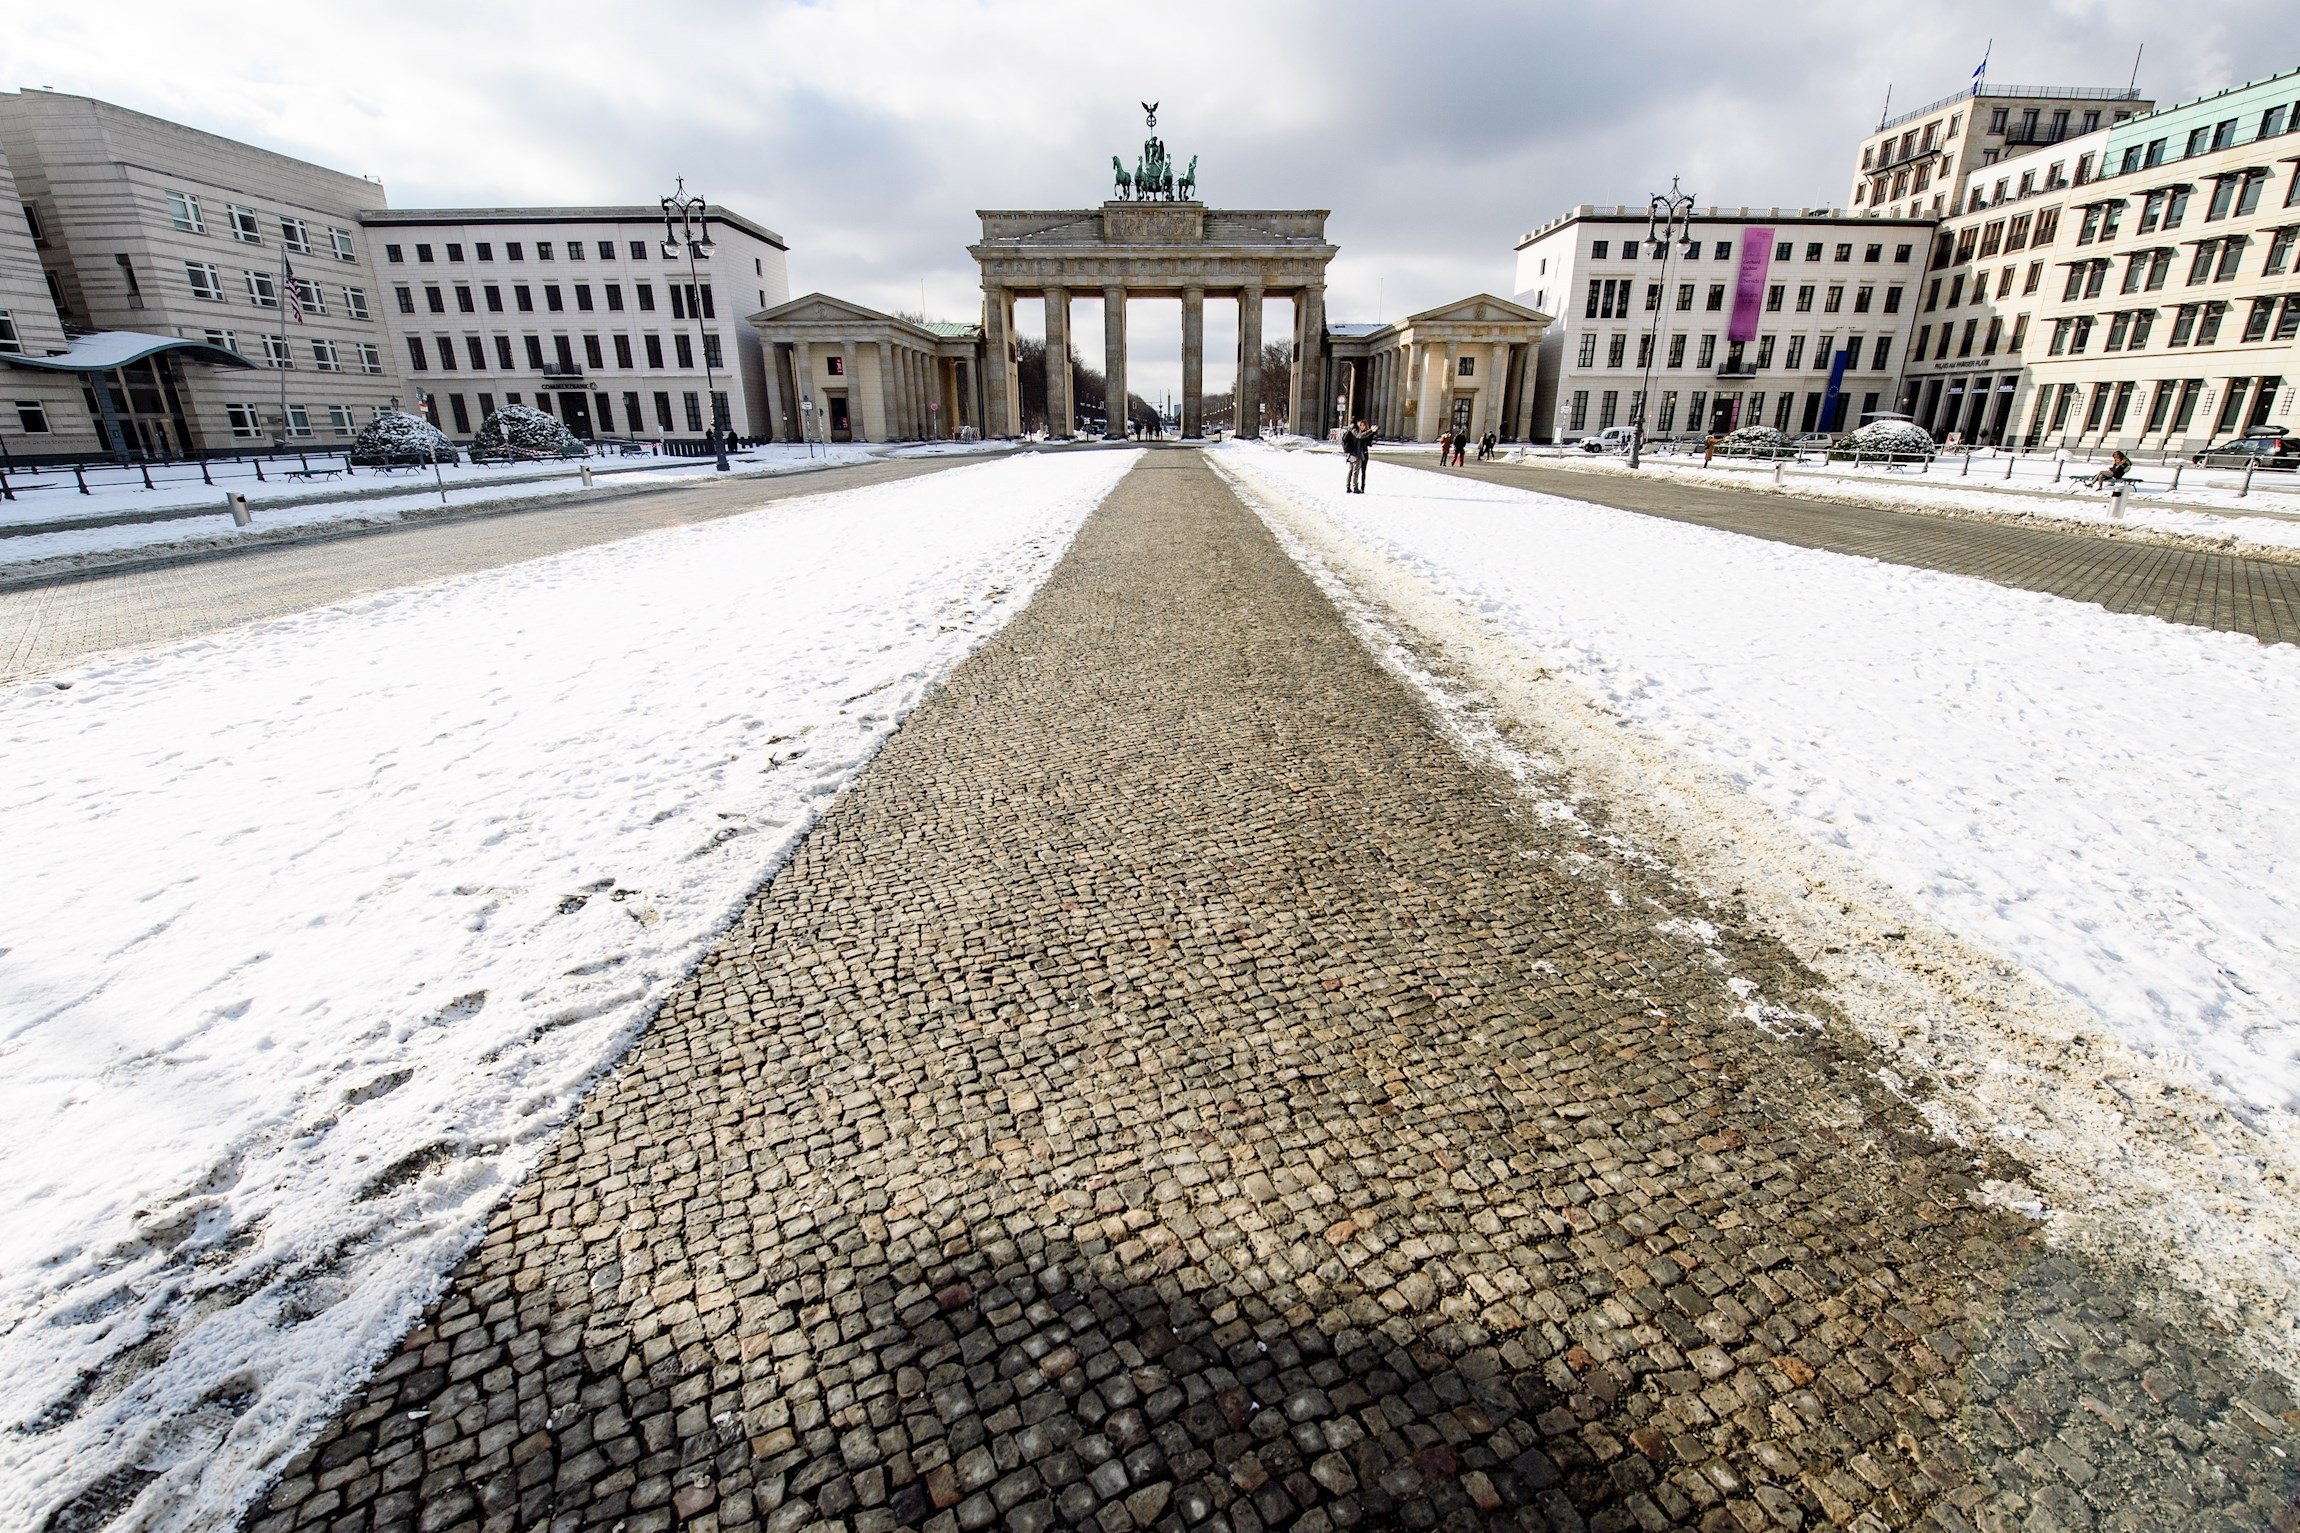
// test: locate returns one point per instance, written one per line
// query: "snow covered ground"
(2206, 506)
(278, 504)
(2100, 802)
(315, 931)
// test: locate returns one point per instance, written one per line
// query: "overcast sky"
(867, 132)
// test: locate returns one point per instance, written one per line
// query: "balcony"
(562, 372)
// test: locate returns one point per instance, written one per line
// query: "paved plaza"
(1175, 1089)
(56, 622)
(2231, 592)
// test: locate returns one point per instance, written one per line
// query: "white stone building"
(137, 226)
(579, 312)
(1749, 329)
(1914, 164)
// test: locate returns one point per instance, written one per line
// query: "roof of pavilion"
(110, 349)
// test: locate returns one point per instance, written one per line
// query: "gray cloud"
(869, 131)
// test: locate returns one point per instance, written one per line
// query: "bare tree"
(1277, 380)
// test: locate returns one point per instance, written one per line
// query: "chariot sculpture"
(1152, 179)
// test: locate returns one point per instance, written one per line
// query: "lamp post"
(1668, 225)
(687, 221)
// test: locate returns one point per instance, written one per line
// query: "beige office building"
(1914, 164)
(1745, 329)
(2149, 299)
(579, 312)
(216, 253)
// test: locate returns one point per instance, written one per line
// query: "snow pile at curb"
(319, 928)
(2261, 533)
(2035, 849)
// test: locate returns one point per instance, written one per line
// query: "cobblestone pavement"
(2231, 592)
(1174, 1089)
(54, 623)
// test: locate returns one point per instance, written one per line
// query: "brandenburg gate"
(1154, 239)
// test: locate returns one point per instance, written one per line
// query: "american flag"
(292, 298)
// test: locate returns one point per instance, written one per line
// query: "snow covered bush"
(1754, 442)
(519, 431)
(1899, 439)
(398, 437)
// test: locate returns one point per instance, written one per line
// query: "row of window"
(1609, 298)
(1987, 341)
(2273, 121)
(600, 408)
(561, 358)
(2171, 406)
(247, 421)
(1704, 413)
(263, 289)
(1737, 358)
(1783, 250)
(2274, 318)
(246, 225)
(326, 356)
(2005, 234)
(516, 250)
(9, 340)
(688, 300)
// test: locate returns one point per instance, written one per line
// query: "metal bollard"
(1967, 471)
(2176, 468)
(586, 468)
(1776, 470)
(80, 475)
(147, 468)
(5, 492)
(205, 477)
(2009, 462)
(237, 504)
(2246, 487)
(259, 471)
(2059, 467)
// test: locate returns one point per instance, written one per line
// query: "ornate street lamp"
(1668, 226)
(687, 221)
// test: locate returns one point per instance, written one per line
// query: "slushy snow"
(2102, 799)
(316, 930)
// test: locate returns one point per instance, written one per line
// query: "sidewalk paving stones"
(1174, 1089)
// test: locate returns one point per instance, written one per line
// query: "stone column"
(906, 374)
(1114, 363)
(1307, 409)
(998, 398)
(774, 361)
(888, 424)
(1193, 362)
(1528, 371)
(1061, 410)
(1249, 393)
(851, 376)
(1494, 397)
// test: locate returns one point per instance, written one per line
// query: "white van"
(1611, 439)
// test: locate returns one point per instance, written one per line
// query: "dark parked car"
(2271, 448)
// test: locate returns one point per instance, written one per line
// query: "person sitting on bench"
(2118, 466)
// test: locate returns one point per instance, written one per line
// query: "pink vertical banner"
(1749, 298)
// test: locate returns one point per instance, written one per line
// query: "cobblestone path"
(52, 624)
(1173, 1089)
(2230, 592)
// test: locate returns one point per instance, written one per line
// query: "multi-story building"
(2143, 293)
(41, 413)
(1915, 164)
(146, 228)
(581, 312)
(1780, 317)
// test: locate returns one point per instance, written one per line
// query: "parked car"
(2271, 447)
(1611, 439)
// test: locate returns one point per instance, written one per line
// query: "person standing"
(1445, 447)
(1357, 447)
